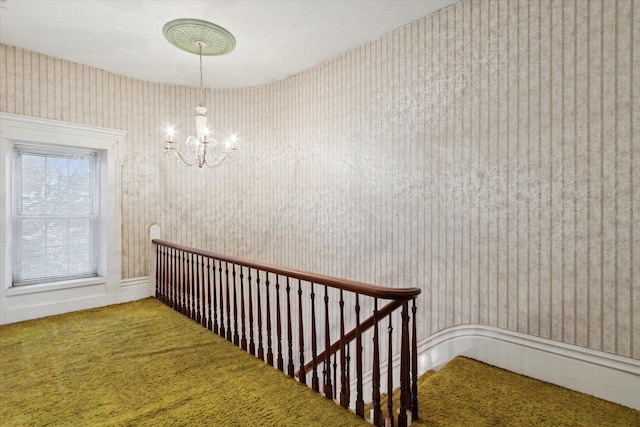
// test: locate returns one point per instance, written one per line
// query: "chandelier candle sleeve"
(170, 133)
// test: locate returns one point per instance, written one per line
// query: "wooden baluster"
(404, 367)
(260, 347)
(165, 275)
(348, 375)
(243, 339)
(252, 344)
(359, 396)
(335, 373)
(184, 289)
(328, 386)
(375, 396)
(314, 345)
(226, 271)
(389, 420)
(176, 281)
(221, 299)
(269, 349)
(203, 295)
(177, 292)
(172, 278)
(344, 397)
(169, 284)
(159, 293)
(161, 273)
(191, 290)
(214, 291)
(197, 296)
(290, 368)
(301, 372)
(192, 287)
(185, 285)
(279, 326)
(168, 269)
(197, 313)
(236, 336)
(210, 303)
(414, 366)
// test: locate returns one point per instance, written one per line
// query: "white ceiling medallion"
(189, 34)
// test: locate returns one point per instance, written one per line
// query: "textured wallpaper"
(488, 154)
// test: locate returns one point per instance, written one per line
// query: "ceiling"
(274, 38)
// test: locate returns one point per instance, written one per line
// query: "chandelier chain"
(201, 96)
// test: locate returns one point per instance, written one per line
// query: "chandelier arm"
(188, 160)
(191, 141)
(213, 161)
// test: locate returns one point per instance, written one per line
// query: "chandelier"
(201, 38)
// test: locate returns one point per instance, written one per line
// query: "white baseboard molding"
(34, 302)
(135, 289)
(35, 311)
(604, 375)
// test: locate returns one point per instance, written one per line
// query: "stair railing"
(241, 300)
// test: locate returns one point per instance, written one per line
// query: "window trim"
(24, 130)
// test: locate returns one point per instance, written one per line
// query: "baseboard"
(20, 314)
(20, 304)
(134, 289)
(604, 375)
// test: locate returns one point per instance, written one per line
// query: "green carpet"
(465, 392)
(143, 364)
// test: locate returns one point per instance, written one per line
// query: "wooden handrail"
(381, 292)
(232, 296)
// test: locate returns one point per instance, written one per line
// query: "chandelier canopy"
(201, 38)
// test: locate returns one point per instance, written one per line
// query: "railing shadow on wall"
(288, 318)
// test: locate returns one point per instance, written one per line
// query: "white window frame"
(56, 297)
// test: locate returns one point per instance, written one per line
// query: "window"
(60, 217)
(55, 218)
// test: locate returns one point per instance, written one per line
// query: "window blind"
(55, 215)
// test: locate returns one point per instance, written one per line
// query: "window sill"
(55, 286)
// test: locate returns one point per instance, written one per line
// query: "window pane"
(54, 248)
(54, 183)
(55, 216)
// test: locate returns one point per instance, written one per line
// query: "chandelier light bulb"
(170, 133)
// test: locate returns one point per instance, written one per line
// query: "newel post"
(154, 233)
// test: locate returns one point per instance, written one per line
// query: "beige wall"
(488, 153)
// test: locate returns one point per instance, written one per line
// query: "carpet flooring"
(143, 364)
(466, 392)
